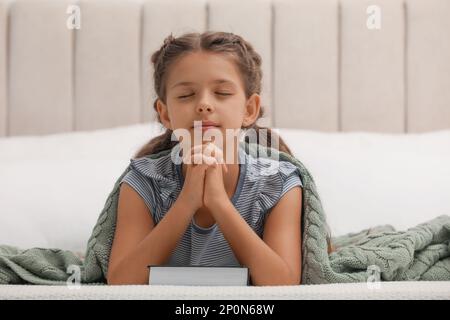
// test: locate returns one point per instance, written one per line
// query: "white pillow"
(54, 187)
(368, 179)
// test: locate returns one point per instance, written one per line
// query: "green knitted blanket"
(419, 253)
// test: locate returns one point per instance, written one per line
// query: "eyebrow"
(186, 83)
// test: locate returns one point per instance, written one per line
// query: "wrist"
(217, 203)
(187, 203)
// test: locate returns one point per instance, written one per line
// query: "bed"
(408, 290)
(78, 156)
(385, 124)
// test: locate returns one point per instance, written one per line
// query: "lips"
(204, 128)
(208, 124)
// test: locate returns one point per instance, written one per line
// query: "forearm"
(156, 248)
(265, 265)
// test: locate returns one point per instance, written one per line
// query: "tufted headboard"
(325, 66)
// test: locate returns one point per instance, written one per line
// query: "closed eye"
(219, 93)
(182, 97)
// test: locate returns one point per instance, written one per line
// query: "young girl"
(210, 213)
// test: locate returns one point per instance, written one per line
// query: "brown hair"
(232, 45)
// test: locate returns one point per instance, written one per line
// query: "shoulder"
(160, 167)
(272, 170)
(153, 168)
(272, 179)
(153, 178)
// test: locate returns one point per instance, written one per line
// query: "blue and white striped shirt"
(259, 188)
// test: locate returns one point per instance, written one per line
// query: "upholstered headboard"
(325, 67)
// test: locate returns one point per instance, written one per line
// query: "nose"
(204, 107)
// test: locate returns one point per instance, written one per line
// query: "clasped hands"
(204, 181)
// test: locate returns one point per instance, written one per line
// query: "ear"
(163, 114)
(252, 109)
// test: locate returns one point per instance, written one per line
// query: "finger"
(209, 154)
(210, 160)
(212, 150)
(202, 159)
(198, 158)
(209, 150)
(187, 159)
(218, 154)
(197, 148)
(206, 149)
(190, 158)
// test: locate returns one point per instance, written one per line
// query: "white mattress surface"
(386, 290)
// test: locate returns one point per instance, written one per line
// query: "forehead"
(202, 68)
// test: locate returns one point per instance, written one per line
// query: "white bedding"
(387, 290)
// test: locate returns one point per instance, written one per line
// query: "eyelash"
(222, 94)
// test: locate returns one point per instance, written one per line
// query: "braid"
(248, 51)
(167, 41)
(160, 54)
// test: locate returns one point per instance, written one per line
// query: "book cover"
(199, 275)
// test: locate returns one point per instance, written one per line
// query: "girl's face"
(204, 86)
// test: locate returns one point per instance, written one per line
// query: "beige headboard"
(324, 68)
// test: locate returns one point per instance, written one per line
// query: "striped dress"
(261, 184)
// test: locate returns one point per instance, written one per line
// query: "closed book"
(198, 275)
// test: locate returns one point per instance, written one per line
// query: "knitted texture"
(420, 253)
